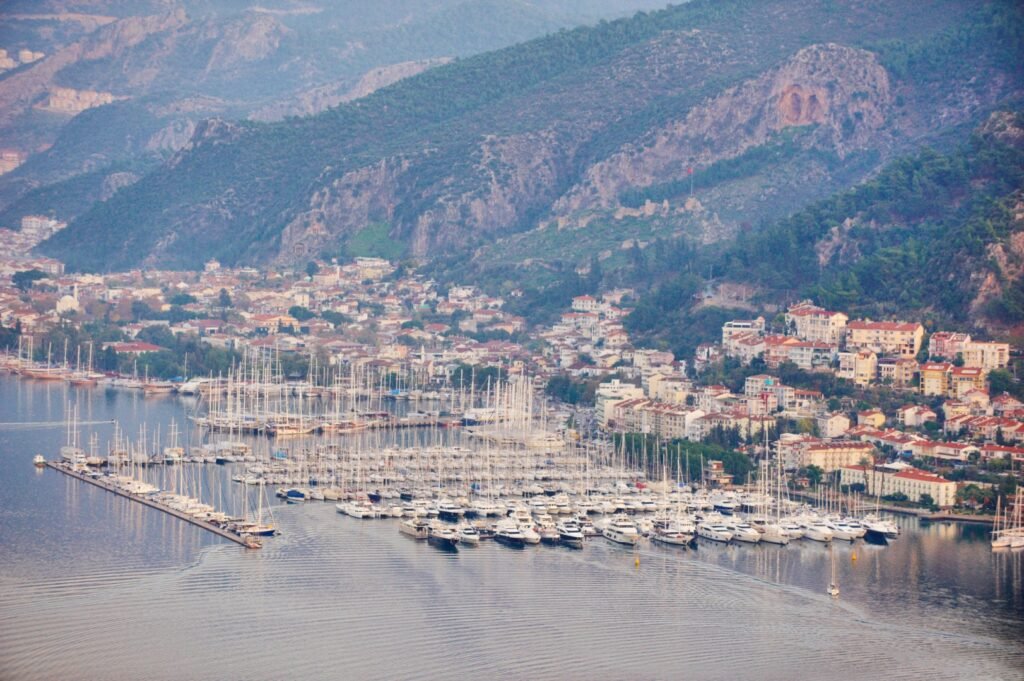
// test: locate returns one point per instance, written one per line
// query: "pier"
(247, 542)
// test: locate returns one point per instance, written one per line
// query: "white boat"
(816, 531)
(842, 532)
(672, 534)
(508, 533)
(743, 532)
(442, 536)
(39, 460)
(714, 532)
(621, 530)
(415, 528)
(774, 533)
(469, 535)
(449, 510)
(570, 533)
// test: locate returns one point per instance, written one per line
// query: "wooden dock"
(247, 542)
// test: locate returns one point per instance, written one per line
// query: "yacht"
(743, 532)
(621, 530)
(449, 510)
(880, 530)
(469, 535)
(415, 528)
(509, 534)
(842, 531)
(774, 533)
(570, 533)
(714, 532)
(39, 460)
(547, 530)
(443, 537)
(816, 530)
(671, 533)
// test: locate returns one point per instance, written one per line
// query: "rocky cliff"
(471, 154)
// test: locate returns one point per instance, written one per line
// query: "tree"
(224, 300)
(182, 299)
(312, 268)
(927, 501)
(301, 313)
(814, 474)
(23, 280)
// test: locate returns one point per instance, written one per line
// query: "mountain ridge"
(484, 147)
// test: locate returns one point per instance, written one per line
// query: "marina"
(99, 481)
(129, 566)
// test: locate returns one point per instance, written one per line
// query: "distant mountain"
(166, 65)
(572, 147)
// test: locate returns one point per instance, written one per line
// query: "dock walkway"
(247, 542)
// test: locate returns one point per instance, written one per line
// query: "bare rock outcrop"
(842, 90)
(341, 207)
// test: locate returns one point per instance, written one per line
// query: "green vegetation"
(23, 280)
(781, 147)
(300, 313)
(924, 214)
(649, 453)
(374, 240)
(232, 194)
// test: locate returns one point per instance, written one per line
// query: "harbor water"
(94, 586)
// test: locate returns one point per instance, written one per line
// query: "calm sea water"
(93, 586)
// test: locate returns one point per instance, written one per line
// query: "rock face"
(843, 91)
(346, 205)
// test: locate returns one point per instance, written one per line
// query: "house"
(946, 345)
(815, 324)
(745, 347)
(742, 326)
(948, 451)
(611, 392)
(963, 380)
(914, 416)
(986, 356)
(871, 417)
(133, 347)
(833, 425)
(935, 378)
(892, 338)
(899, 372)
(828, 456)
(585, 304)
(861, 367)
(911, 482)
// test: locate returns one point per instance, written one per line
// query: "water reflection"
(95, 586)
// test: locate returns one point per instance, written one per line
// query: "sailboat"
(1008, 532)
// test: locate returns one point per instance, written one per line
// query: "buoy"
(637, 561)
(854, 557)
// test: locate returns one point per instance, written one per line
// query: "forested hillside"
(934, 236)
(547, 155)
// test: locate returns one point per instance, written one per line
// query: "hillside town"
(879, 407)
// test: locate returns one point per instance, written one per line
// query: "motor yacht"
(443, 537)
(570, 533)
(415, 528)
(449, 510)
(671, 533)
(714, 532)
(816, 530)
(469, 535)
(508, 533)
(743, 532)
(621, 530)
